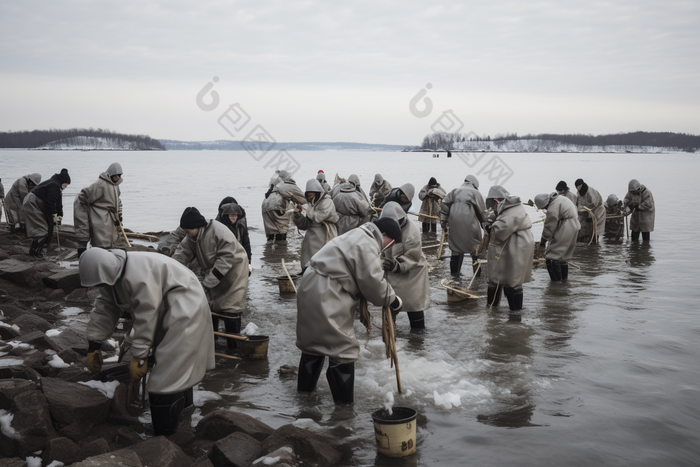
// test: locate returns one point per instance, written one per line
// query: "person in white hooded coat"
(276, 216)
(339, 275)
(15, 197)
(590, 199)
(97, 211)
(379, 190)
(640, 202)
(462, 211)
(319, 221)
(511, 250)
(171, 322)
(406, 267)
(224, 263)
(351, 206)
(561, 227)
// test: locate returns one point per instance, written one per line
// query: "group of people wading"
(357, 248)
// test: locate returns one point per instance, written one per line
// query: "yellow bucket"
(255, 348)
(395, 433)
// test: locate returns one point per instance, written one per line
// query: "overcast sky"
(332, 71)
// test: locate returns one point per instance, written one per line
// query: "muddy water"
(602, 370)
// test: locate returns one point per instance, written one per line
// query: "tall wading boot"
(635, 236)
(32, 248)
(645, 236)
(39, 246)
(493, 295)
(426, 227)
(554, 270)
(564, 270)
(515, 302)
(341, 379)
(456, 263)
(417, 319)
(165, 412)
(310, 367)
(233, 326)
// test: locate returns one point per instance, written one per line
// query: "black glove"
(543, 244)
(487, 228)
(588, 219)
(396, 304)
(443, 225)
(390, 265)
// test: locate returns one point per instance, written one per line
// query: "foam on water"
(201, 397)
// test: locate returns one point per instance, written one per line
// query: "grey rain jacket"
(170, 311)
(643, 216)
(593, 201)
(224, 263)
(561, 227)
(410, 282)
(511, 245)
(96, 208)
(274, 207)
(379, 190)
(431, 198)
(39, 206)
(343, 271)
(319, 222)
(15, 197)
(463, 208)
(351, 207)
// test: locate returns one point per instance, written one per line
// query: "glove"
(121, 219)
(543, 244)
(57, 219)
(94, 361)
(390, 265)
(138, 368)
(443, 225)
(396, 304)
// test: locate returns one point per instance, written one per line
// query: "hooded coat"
(463, 208)
(319, 221)
(406, 189)
(170, 311)
(592, 200)
(15, 197)
(561, 227)
(39, 206)
(614, 227)
(339, 275)
(573, 197)
(410, 282)
(351, 207)
(224, 263)
(274, 207)
(97, 208)
(511, 245)
(240, 228)
(321, 177)
(643, 216)
(431, 196)
(379, 190)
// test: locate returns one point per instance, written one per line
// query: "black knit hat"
(390, 227)
(192, 219)
(561, 186)
(579, 182)
(432, 182)
(63, 177)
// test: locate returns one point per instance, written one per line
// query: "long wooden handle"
(227, 356)
(442, 242)
(231, 336)
(289, 277)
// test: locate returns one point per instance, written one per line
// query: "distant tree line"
(38, 138)
(681, 141)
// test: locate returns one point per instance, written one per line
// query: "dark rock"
(46, 307)
(70, 355)
(11, 388)
(313, 449)
(70, 339)
(203, 463)
(39, 340)
(121, 458)
(7, 333)
(127, 437)
(222, 423)
(235, 450)
(50, 317)
(118, 410)
(74, 374)
(14, 462)
(93, 448)
(182, 438)
(62, 450)
(76, 408)
(31, 322)
(68, 280)
(32, 423)
(159, 452)
(19, 272)
(55, 295)
(78, 296)
(199, 448)
(11, 311)
(25, 372)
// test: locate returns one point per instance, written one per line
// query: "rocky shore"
(54, 412)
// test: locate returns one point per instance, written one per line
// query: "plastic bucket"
(286, 286)
(255, 348)
(395, 433)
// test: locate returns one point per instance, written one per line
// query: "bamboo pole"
(231, 336)
(289, 277)
(140, 236)
(389, 335)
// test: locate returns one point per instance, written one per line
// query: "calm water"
(602, 371)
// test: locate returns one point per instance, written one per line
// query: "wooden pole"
(289, 277)
(478, 265)
(125, 237)
(231, 336)
(442, 242)
(227, 356)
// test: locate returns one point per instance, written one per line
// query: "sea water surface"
(604, 370)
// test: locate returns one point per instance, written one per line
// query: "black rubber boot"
(233, 326)
(81, 250)
(493, 295)
(635, 236)
(456, 263)
(554, 270)
(645, 236)
(39, 246)
(189, 397)
(271, 238)
(32, 247)
(515, 302)
(417, 319)
(341, 379)
(426, 227)
(564, 267)
(12, 228)
(310, 367)
(165, 412)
